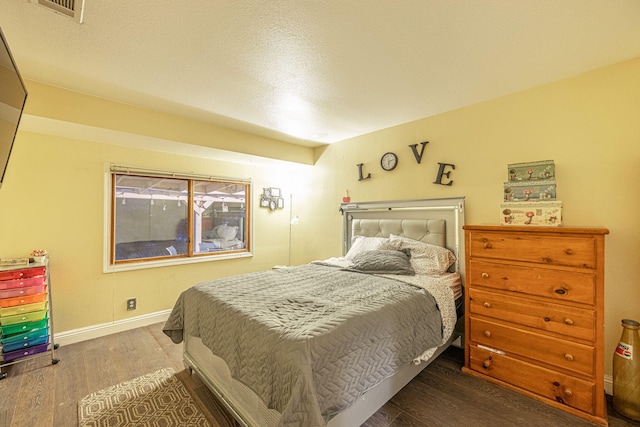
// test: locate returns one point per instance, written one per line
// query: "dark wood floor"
(37, 393)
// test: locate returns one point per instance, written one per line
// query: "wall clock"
(389, 161)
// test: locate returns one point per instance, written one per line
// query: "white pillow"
(425, 258)
(361, 244)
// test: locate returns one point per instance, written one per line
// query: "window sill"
(109, 268)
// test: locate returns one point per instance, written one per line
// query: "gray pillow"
(382, 261)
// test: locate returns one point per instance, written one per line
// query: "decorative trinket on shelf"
(39, 255)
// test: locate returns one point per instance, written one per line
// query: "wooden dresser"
(535, 313)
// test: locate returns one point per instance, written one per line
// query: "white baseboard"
(104, 329)
(608, 385)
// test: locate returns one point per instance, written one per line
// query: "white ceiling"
(314, 71)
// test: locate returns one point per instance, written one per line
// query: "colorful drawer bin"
(18, 292)
(22, 273)
(28, 299)
(22, 327)
(22, 283)
(13, 355)
(26, 323)
(27, 317)
(29, 342)
(22, 309)
(23, 336)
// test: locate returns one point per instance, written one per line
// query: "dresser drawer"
(22, 283)
(22, 273)
(553, 351)
(574, 322)
(561, 388)
(559, 285)
(543, 249)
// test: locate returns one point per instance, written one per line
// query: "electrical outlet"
(132, 304)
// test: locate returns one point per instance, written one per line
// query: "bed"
(328, 343)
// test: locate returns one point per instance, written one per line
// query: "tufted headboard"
(435, 221)
(427, 230)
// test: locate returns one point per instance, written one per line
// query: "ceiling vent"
(70, 8)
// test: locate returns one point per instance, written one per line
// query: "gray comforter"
(309, 340)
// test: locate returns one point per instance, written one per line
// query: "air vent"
(71, 8)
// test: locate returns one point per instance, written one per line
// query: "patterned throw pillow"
(426, 259)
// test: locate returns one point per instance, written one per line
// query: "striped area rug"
(156, 399)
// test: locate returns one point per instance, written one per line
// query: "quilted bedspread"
(312, 339)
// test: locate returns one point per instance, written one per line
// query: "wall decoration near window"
(271, 198)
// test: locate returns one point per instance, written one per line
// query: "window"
(165, 216)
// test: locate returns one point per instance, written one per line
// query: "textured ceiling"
(312, 71)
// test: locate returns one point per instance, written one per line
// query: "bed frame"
(434, 221)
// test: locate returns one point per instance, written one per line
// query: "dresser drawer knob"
(486, 245)
(568, 392)
(568, 357)
(569, 252)
(485, 275)
(487, 334)
(547, 319)
(487, 363)
(563, 290)
(568, 322)
(487, 305)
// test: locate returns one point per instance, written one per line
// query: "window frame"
(112, 265)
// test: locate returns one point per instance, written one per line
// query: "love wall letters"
(443, 177)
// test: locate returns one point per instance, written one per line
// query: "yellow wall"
(589, 125)
(53, 197)
(53, 194)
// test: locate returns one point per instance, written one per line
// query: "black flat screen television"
(13, 96)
